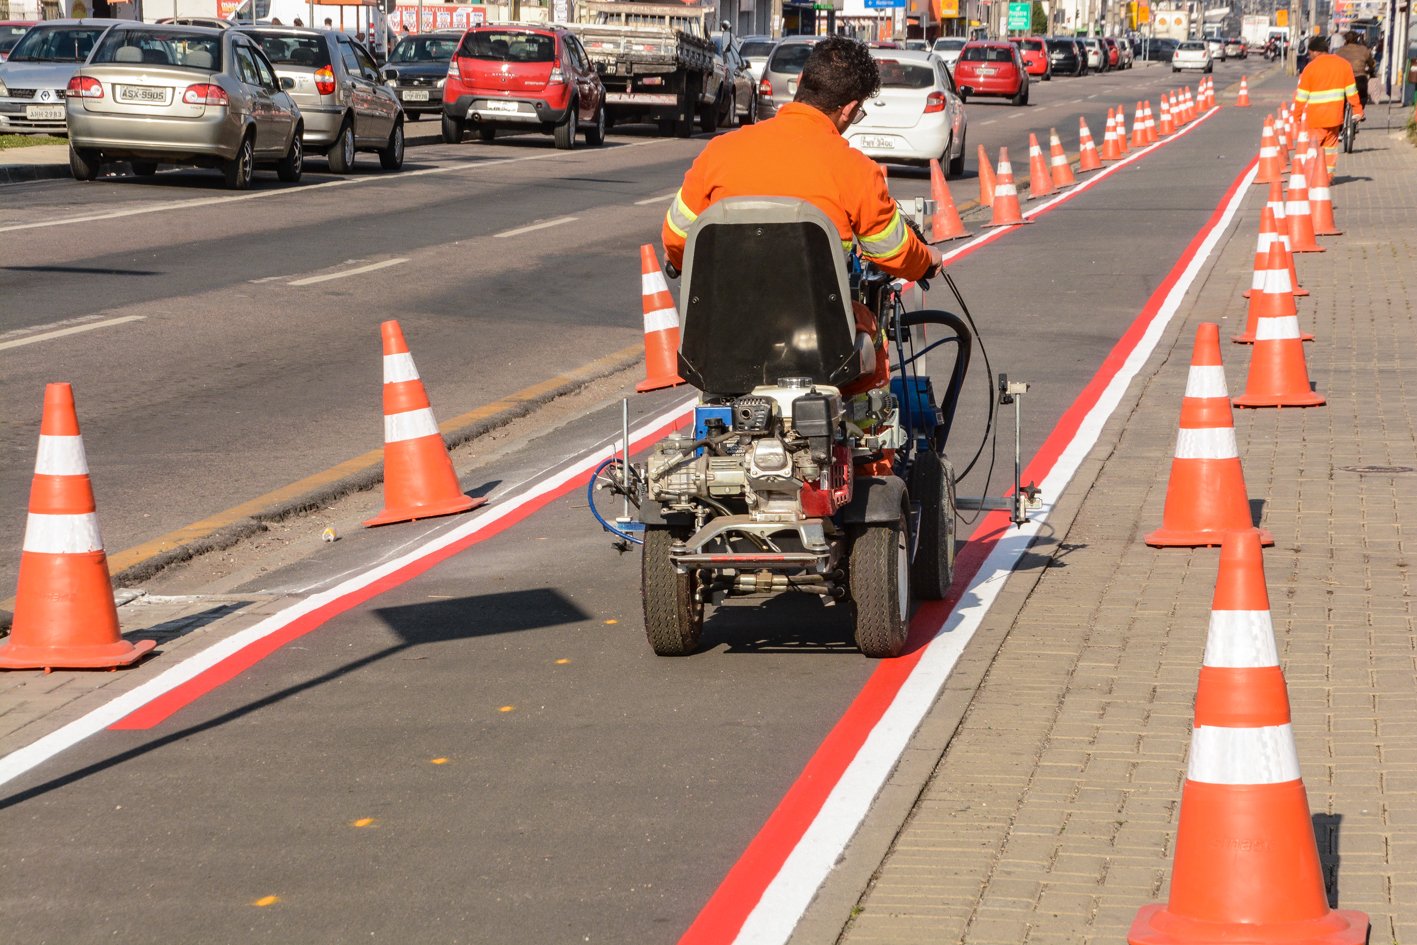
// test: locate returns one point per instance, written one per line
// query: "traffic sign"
(1020, 16)
(883, 4)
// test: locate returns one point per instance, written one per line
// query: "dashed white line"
(660, 199)
(74, 330)
(544, 224)
(356, 271)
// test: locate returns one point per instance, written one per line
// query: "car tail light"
(765, 88)
(205, 94)
(934, 102)
(325, 80)
(557, 77)
(453, 71)
(84, 86)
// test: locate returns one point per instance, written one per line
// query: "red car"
(523, 78)
(1114, 55)
(991, 67)
(1034, 52)
(10, 33)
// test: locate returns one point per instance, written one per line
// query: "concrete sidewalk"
(1051, 814)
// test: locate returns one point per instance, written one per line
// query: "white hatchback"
(948, 49)
(1192, 54)
(916, 116)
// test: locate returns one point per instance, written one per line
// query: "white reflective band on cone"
(60, 456)
(1257, 281)
(1240, 639)
(1276, 282)
(1296, 208)
(1265, 241)
(1206, 443)
(399, 368)
(1318, 194)
(652, 282)
(1035, 151)
(62, 534)
(410, 425)
(1262, 755)
(1206, 380)
(1005, 168)
(1060, 160)
(1269, 151)
(1285, 328)
(661, 319)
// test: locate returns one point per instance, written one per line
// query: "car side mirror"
(287, 83)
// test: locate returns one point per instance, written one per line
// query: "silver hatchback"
(778, 84)
(347, 107)
(33, 79)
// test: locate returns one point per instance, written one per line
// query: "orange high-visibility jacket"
(1324, 85)
(799, 153)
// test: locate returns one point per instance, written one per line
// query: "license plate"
(501, 107)
(44, 112)
(410, 96)
(791, 86)
(986, 70)
(883, 144)
(142, 93)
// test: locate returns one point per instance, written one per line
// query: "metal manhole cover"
(1377, 470)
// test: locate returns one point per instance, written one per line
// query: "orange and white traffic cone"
(1151, 135)
(661, 326)
(65, 616)
(946, 224)
(1272, 229)
(986, 179)
(1243, 99)
(1007, 211)
(1040, 179)
(1298, 214)
(1271, 290)
(1246, 866)
(1278, 375)
(1061, 167)
(1167, 126)
(1122, 149)
(1088, 158)
(1281, 227)
(1271, 165)
(1138, 129)
(1321, 199)
(419, 480)
(1205, 496)
(1110, 151)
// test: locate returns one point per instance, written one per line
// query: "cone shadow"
(1326, 830)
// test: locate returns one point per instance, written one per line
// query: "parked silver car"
(347, 106)
(34, 77)
(417, 69)
(181, 95)
(778, 84)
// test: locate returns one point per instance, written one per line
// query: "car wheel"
(83, 162)
(1175, 69)
(391, 156)
(1047, 77)
(1021, 98)
(566, 130)
(752, 118)
(879, 577)
(239, 169)
(341, 153)
(452, 130)
(957, 163)
(290, 167)
(708, 117)
(1209, 69)
(143, 168)
(485, 133)
(595, 133)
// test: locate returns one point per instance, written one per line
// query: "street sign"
(1020, 16)
(884, 4)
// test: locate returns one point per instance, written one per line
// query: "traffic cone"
(1151, 136)
(1278, 375)
(1205, 496)
(1321, 200)
(1062, 168)
(1271, 290)
(1088, 158)
(1243, 99)
(661, 326)
(986, 179)
(1167, 126)
(419, 481)
(1281, 228)
(1246, 867)
(1298, 214)
(65, 616)
(1138, 129)
(945, 225)
(1272, 230)
(1122, 149)
(1110, 151)
(1007, 211)
(1271, 166)
(1040, 180)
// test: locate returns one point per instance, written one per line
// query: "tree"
(1039, 27)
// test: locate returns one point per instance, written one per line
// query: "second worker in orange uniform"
(1325, 84)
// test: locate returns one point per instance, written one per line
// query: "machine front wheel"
(932, 485)
(674, 620)
(880, 587)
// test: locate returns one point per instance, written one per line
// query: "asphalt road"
(591, 792)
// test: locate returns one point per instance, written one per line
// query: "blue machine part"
(703, 414)
(918, 411)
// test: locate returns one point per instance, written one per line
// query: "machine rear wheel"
(674, 620)
(932, 485)
(880, 587)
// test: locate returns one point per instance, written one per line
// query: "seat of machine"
(765, 296)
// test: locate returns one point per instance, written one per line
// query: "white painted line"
(989, 122)
(356, 271)
(544, 224)
(660, 199)
(60, 333)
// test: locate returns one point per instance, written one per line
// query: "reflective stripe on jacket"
(1324, 85)
(799, 153)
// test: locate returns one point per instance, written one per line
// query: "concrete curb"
(25, 173)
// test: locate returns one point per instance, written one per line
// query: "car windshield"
(789, 58)
(905, 75)
(985, 54)
(424, 49)
(161, 47)
(757, 49)
(310, 51)
(508, 46)
(56, 44)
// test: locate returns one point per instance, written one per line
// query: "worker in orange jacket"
(801, 153)
(1325, 84)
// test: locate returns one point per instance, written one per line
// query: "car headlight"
(441, 81)
(4, 92)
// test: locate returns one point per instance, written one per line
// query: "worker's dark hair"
(1319, 44)
(1352, 37)
(838, 70)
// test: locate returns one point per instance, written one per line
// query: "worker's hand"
(1363, 116)
(936, 263)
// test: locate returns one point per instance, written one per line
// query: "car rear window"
(789, 58)
(986, 54)
(508, 46)
(161, 47)
(1033, 45)
(948, 45)
(308, 51)
(1061, 45)
(905, 75)
(757, 49)
(56, 44)
(1191, 45)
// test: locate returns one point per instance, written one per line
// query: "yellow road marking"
(363, 822)
(562, 661)
(506, 708)
(439, 761)
(611, 622)
(266, 901)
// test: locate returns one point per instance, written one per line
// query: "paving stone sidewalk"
(1050, 816)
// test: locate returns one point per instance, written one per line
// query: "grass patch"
(28, 141)
(1412, 130)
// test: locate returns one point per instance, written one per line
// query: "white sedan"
(916, 116)
(1192, 54)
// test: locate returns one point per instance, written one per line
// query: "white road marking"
(660, 199)
(544, 224)
(356, 271)
(989, 122)
(76, 329)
